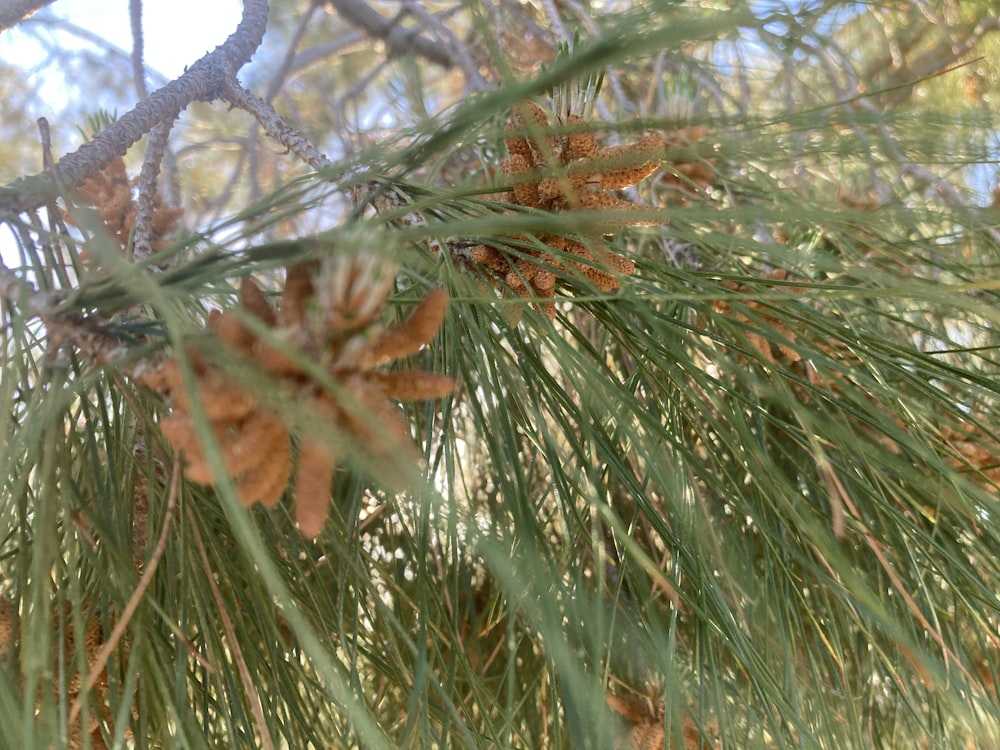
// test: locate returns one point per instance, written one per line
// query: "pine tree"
(632, 382)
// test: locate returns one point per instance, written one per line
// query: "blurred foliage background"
(746, 500)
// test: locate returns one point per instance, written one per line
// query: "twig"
(554, 18)
(145, 202)
(948, 192)
(278, 80)
(945, 190)
(89, 334)
(43, 133)
(386, 199)
(398, 39)
(273, 124)
(112, 54)
(655, 79)
(133, 603)
(339, 105)
(201, 81)
(234, 647)
(138, 67)
(456, 49)
(314, 55)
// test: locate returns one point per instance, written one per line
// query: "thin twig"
(456, 49)
(313, 56)
(145, 202)
(399, 39)
(234, 647)
(279, 79)
(43, 133)
(111, 54)
(101, 661)
(273, 124)
(138, 66)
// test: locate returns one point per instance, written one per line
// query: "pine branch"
(274, 125)
(12, 12)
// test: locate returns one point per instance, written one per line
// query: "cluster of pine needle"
(746, 502)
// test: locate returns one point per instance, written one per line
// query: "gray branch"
(145, 203)
(399, 39)
(273, 125)
(12, 12)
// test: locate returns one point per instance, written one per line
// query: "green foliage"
(758, 483)
(97, 122)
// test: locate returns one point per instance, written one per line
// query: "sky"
(175, 32)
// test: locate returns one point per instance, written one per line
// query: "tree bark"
(12, 12)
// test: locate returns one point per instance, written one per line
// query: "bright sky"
(175, 32)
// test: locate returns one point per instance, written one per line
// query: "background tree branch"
(399, 39)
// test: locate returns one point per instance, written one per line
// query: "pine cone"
(110, 192)
(64, 654)
(332, 328)
(565, 170)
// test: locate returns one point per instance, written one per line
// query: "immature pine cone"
(110, 192)
(566, 171)
(333, 328)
